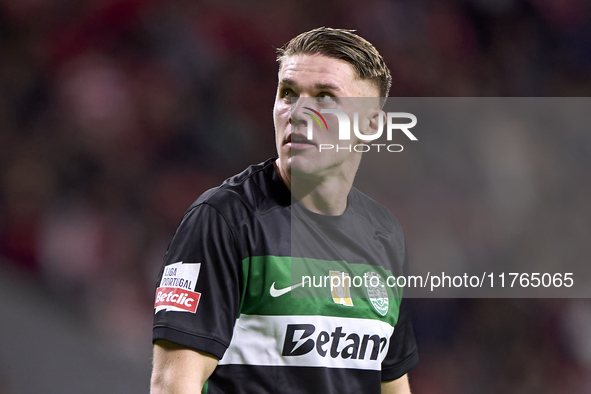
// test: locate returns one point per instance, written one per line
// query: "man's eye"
(287, 93)
(325, 98)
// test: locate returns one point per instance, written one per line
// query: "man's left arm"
(398, 386)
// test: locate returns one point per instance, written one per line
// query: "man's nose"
(296, 116)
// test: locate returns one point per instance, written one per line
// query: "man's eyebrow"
(287, 81)
(326, 86)
(318, 86)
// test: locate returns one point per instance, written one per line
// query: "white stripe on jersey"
(312, 341)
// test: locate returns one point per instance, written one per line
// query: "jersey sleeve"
(199, 286)
(402, 352)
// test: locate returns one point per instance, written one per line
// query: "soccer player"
(226, 317)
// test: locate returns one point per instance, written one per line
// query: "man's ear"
(375, 128)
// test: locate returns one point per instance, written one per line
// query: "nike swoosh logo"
(279, 292)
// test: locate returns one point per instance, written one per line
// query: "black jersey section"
(366, 233)
(292, 380)
(402, 353)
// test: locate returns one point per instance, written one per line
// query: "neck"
(326, 197)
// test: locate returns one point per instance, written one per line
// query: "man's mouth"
(299, 139)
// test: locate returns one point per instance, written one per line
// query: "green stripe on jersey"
(267, 282)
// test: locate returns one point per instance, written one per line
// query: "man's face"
(316, 81)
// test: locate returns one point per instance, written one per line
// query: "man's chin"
(298, 164)
(302, 167)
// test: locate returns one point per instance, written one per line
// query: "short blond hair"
(344, 45)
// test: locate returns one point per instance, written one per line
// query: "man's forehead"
(324, 73)
(310, 65)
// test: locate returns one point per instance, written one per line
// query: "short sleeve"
(199, 287)
(402, 352)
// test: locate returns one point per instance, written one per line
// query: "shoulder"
(254, 189)
(374, 214)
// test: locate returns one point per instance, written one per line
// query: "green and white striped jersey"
(288, 300)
